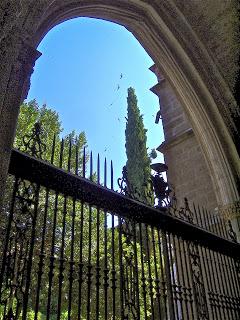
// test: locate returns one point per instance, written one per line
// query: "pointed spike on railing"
(223, 224)
(53, 149)
(207, 219)
(98, 169)
(112, 175)
(186, 203)
(76, 160)
(91, 166)
(196, 214)
(84, 162)
(105, 172)
(69, 154)
(202, 217)
(61, 153)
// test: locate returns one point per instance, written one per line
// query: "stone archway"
(175, 49)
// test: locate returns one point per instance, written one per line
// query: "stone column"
(15, 92)
(231, 212)
(188, 174)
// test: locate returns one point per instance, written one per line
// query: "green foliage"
(80, 232)
(30, 113)
(138, 162)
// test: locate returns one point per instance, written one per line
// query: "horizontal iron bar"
(47, 175)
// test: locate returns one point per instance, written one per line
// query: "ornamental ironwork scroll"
(18, 250)
(232, 234)
(129, 271)
(198, 282)
(126, 187)
(33, 144)
(156, 190)
(184, 212)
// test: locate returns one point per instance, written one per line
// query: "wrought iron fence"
(73, 248)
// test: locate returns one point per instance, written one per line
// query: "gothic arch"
(177, 52)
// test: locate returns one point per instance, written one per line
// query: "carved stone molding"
(230, 211)
(27, 59)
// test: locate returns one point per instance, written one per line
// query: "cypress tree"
(138, 162)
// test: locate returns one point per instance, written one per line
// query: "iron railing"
(73, 248)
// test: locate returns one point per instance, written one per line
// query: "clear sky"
(79, 75)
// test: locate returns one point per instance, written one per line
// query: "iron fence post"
(168, 277)
(199, 291)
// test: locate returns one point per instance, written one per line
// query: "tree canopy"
(138, 161)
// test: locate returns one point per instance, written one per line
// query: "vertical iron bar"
(137, 284)
(77, 160)
(207, 219)
(233, 282)
(113, 271)
(61, 154)
(52, 258)
(30, 256)
(173, 276)
(150, 280)
(69, 154)
(61, 260)
(218, 231)
(203, 221)
(224, 227)
(53, 149)
(229, 284)
(105, 172)
(106, 271)
(163, 282)
(207, 278)
(98, 169)
(71, 262)
(98, 276)
(216, 283)
(179, 292)
(183, 275)
(113, 256)
(41, 255)
(80, 270)
(157, 278)
(121, 270)
(211, 285)
(221, 283)
(198, 283)
(91, 166)
(196, 214)
(143, 280)
(226, 290)
(84, 162)
(8, 231)
(89, 266)
(112, 186)
(168, 276)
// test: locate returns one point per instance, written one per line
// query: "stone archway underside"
(174, 47)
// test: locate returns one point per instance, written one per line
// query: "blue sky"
(79, 74)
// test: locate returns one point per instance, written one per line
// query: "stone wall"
(217, 24)
(188, 173)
